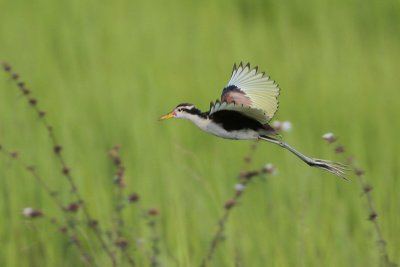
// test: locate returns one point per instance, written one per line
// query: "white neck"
(197, 120)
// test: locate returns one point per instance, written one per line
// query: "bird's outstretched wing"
(250, 93)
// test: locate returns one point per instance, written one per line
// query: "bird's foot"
(336, 168)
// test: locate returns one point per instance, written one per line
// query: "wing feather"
(256, 114)
(250, 93)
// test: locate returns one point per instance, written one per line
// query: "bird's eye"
(179, 109)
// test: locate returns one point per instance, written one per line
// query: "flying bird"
(248, 102)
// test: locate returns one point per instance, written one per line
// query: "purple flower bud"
(270, 169)
(31, 213)
(153, 212)
(230, 204)
(330, 137)
(240, 187)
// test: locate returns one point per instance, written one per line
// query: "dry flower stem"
(245, 178)
(367, 189)
(120, 182)
(65, 170)
(155, 239)
(373, 218)
(85, 256)
(41, 182)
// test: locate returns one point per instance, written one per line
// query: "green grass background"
(106, 70)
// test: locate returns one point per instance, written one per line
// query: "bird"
(247, 104)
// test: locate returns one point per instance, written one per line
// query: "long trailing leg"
(330, 166)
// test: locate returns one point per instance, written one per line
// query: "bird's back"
(235, 121)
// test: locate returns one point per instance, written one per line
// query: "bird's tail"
(336, 168)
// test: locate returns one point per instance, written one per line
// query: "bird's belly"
(217, 130)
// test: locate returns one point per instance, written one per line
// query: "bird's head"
(182, 111)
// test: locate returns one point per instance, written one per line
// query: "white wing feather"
(254, 113)
(250, 93)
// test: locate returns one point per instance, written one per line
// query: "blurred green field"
(106, 70)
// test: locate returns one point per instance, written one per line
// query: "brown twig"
(119, 179)
(33, 102)
(34, 213)
(74, 240)
(32, 170)
(152, 215)
(367, 191)
(244, 179)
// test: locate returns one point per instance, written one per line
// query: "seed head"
(93, 223)
(42, 113)
(248, 174)
(372, 216)
(31, 213)
(240, 187)
(367, 188)
(6, 66)
(122, 243)
(247, 159)
(14, 154)
(359, 172)
(65, 171)
(30, 168)
(72, 207)
(286, 126)
(33, 101)
(133, 198)
(117, 161)
(63, 229)
(339, 149)
(270, 169)
(329, 137)
(282, 126)
(153, 212)
(57, 149)
(230, 204)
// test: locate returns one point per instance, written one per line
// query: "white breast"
(215, 129)
(210, 127)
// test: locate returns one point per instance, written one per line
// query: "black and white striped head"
(182, 111)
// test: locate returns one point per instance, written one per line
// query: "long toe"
(337, 168)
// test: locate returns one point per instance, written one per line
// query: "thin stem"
(85, 256)
(42, 183)
(33, 102)
(219, 234)
(367, 189)
(31, 169)
(119, 179)
(155, 240)
(245, 178)
(373, 218)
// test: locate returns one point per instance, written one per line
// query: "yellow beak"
(168, 116)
